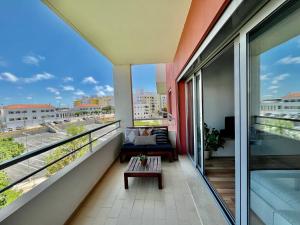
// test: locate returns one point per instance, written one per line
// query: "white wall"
(123, 94)
(218, 91)
(53, 202)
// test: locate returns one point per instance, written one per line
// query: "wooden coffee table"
(152, 169)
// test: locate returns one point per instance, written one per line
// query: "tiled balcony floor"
(144, 204)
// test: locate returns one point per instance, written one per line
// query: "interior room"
(218, 118)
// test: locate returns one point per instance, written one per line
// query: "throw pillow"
(130, 135)
(145, 131)
(145, 140)
(161, 136)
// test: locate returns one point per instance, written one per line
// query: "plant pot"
(207, 154)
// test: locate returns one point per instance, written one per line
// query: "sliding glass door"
(274, 118)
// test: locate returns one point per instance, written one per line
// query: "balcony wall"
(54, 201)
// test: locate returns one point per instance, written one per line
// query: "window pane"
(274, 119)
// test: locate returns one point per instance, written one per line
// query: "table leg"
(159, 181)
(126, 181)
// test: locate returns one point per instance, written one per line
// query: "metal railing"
(282, 123)
(31, 154)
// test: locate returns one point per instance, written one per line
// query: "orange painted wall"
(202, 17)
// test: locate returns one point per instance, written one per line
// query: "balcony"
(90, 190)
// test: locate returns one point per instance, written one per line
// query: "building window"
(274, 142)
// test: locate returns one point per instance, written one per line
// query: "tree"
(59, 152)
(8, 196)
(10, 149)
(107, 109)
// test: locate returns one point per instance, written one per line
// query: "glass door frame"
(191, 79)
(262, 15)
(199, 121)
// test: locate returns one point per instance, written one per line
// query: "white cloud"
(104, 90)
(280, 78)
(38, 77)
(68, 79)
(273, 87)
(267, 96)
(53, 90)
(9, 77)
(29, 97)
(265, 76)
(290, 60)
(109, 88)
(89, 80)
(79, 92)
(68, 88)
(58, 97)
(33, 59)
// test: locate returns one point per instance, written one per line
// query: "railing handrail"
(278, 118)
(39, 151)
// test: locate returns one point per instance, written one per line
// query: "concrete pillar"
(123, 94)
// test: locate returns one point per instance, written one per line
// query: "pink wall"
(200, 20)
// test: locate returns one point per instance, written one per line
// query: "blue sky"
(143, 77)
(280, 69)
(42, 60)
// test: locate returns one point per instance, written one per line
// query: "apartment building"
(87, 108)
(27, 115)
(102, 101)
(288, 106)
(146, 105)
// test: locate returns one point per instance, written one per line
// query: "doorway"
(219, 128)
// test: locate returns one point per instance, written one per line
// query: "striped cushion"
(161, 136)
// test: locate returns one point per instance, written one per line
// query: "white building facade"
(26, 115)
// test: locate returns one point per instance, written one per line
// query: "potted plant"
(143, 159)
(212, 141)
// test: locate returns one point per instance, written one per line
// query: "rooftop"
(29, 106)
(292, 95)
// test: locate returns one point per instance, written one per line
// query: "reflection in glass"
(198, 120)
(274, 119)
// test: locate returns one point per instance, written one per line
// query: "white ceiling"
(127, 31)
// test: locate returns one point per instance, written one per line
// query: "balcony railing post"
(90, 142)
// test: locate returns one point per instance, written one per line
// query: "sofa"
(161, 147)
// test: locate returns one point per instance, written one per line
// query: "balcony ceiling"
(127, 31)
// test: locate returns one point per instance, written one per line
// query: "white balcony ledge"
(54, 201)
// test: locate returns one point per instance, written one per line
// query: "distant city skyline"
(45, 61)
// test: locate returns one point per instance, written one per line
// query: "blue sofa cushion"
(157, 147)
(161, 136)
